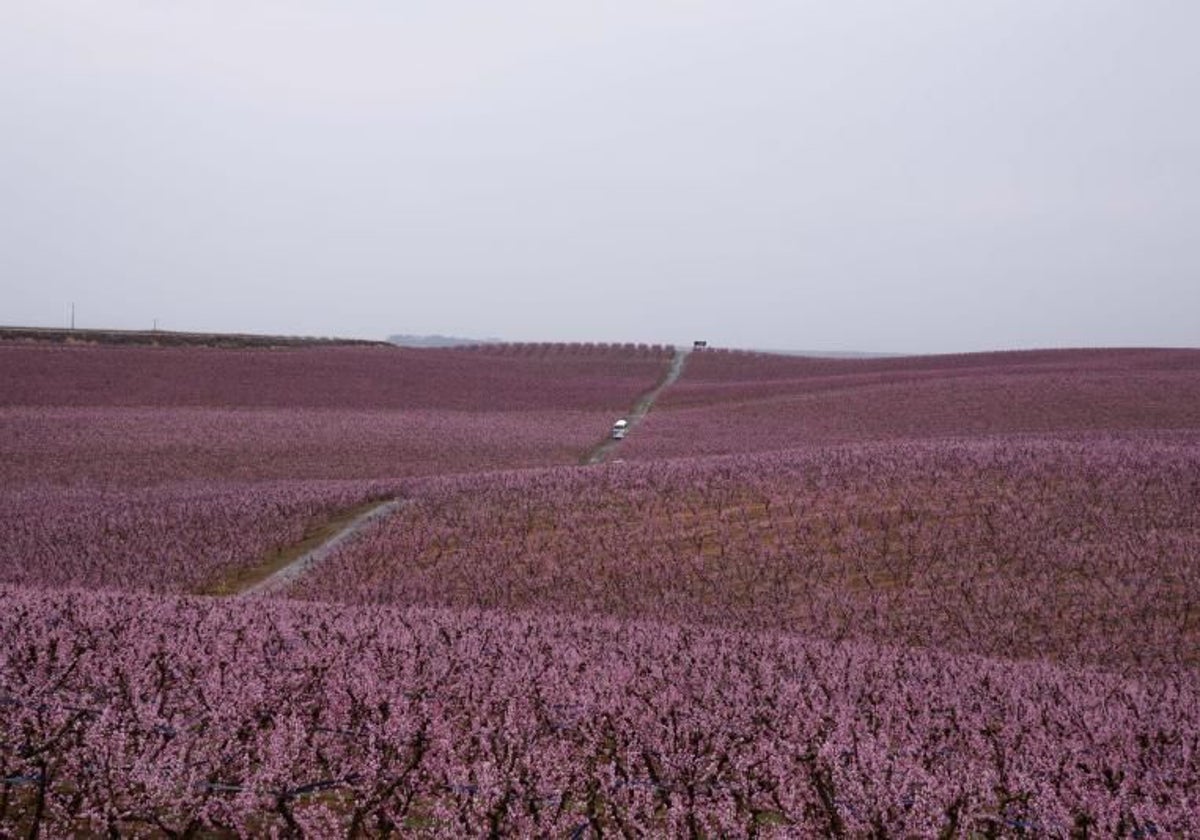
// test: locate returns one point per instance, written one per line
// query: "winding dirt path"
(642, 407)
(323, 544)
(285, 576)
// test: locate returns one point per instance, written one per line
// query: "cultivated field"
(948, 596)
(748, 402)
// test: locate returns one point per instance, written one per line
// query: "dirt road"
(642, 407)
(286, 575)
(282, 578)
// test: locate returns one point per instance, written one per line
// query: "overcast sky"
(839, 175)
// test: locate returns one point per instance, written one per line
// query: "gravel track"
(284, 577)
(642, 407)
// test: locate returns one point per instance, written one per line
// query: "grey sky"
(897, 176)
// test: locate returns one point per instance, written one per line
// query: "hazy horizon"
(908, 177)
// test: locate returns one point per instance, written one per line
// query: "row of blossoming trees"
(165, 468)
(749, 402)
(130, 714)
(947, 597)
(1085, 552)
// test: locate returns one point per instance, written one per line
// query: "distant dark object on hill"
(172, 339)
(439, 341)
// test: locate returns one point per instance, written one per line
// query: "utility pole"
(72, 315)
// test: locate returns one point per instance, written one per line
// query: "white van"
(620, 429)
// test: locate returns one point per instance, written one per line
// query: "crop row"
(714, 367)
(739, 402)
(330, 377)
(140, 447)
(126, 714)
(174, 538)
(1085, 550)
(519, 348)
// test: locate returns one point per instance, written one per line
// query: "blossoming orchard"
(947, 596)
